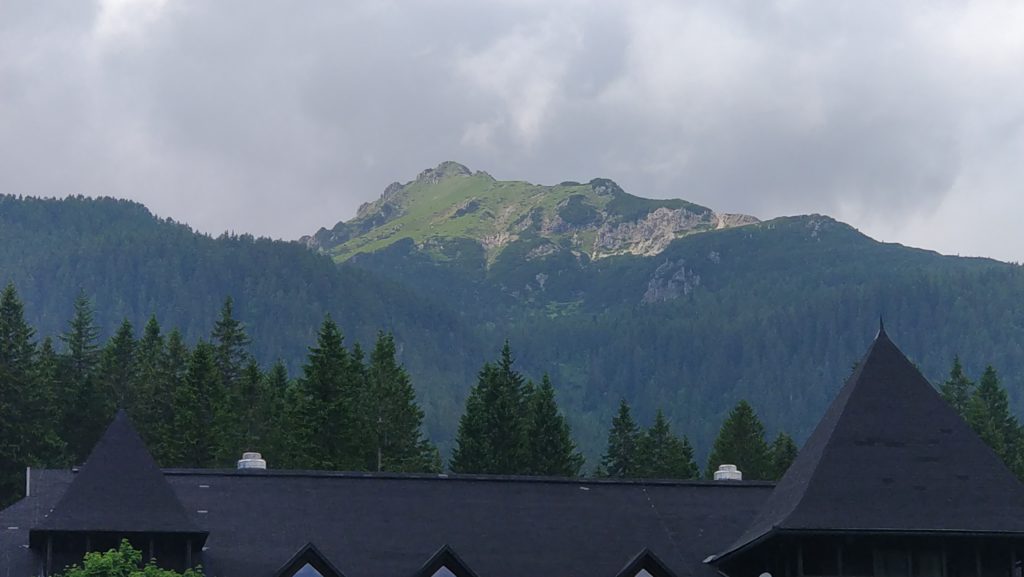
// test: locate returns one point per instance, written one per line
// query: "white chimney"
(255, 461)
(728, 473)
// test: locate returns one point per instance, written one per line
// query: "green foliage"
(125, 561)
(27, 429)
(620, 459)
(197, 404)
(493, 430)
(117, 370)
(741, 442)
(957, 389)
(662, 455)
(328, 424)
(550, 446)
(783, 453)
(89, 411)
(396, 419)
(230, 341)
(988, 413)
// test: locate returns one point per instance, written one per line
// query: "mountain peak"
(450, 202)
(446, 169)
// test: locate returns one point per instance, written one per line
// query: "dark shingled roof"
(119, 489)
(388, 526)
(891, 455)
(383, 525)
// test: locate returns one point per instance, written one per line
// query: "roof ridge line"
(360, 475)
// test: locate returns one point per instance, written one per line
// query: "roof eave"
(776, 531)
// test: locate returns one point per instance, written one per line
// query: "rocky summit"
(596, 219)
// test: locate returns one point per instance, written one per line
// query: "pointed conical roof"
(890, 455)
(120, 489)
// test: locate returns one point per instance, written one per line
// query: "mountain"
(449, 203)
(775, 312)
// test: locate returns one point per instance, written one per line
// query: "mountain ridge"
(596, 219)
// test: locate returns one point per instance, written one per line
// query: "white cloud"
(126, 19)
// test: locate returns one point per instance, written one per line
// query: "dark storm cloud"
(274, 117)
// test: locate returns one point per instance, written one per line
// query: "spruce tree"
(250, 408)
(158, 423)
(741, 442)
(620, 458)
(783, 453)
(958, 388)
(506, 420)
(395, 418)
(27, 434)
(988, 413)
(149, 360)
(662, 455)
(49, 448)
(472, 452)
(551, 449)
(326, 424)
(230, 341)
(274, 432)
(195, 438)
(492, 433)
(118, 371)
(85, 411)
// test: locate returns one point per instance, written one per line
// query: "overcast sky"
(905, 119)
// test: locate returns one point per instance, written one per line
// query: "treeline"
(201, 406)
(511, 426)
(658, 453)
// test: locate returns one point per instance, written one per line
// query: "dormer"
(309, 562)
(445, 563)
(646, 564)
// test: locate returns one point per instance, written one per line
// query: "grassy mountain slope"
(450, 203)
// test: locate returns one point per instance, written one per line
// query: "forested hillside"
(131, 265)
(774, 312)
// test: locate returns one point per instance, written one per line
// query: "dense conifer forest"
(773, 313)
(202, 405)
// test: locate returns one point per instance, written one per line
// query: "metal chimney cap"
(252, 460)
(728, 473)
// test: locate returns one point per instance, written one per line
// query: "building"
(891, 483)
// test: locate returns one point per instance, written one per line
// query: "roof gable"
(891, 455)
(309, 555)
(120, 489)
(445, 557)
(646, 560)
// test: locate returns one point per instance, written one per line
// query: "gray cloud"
(906, 119)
